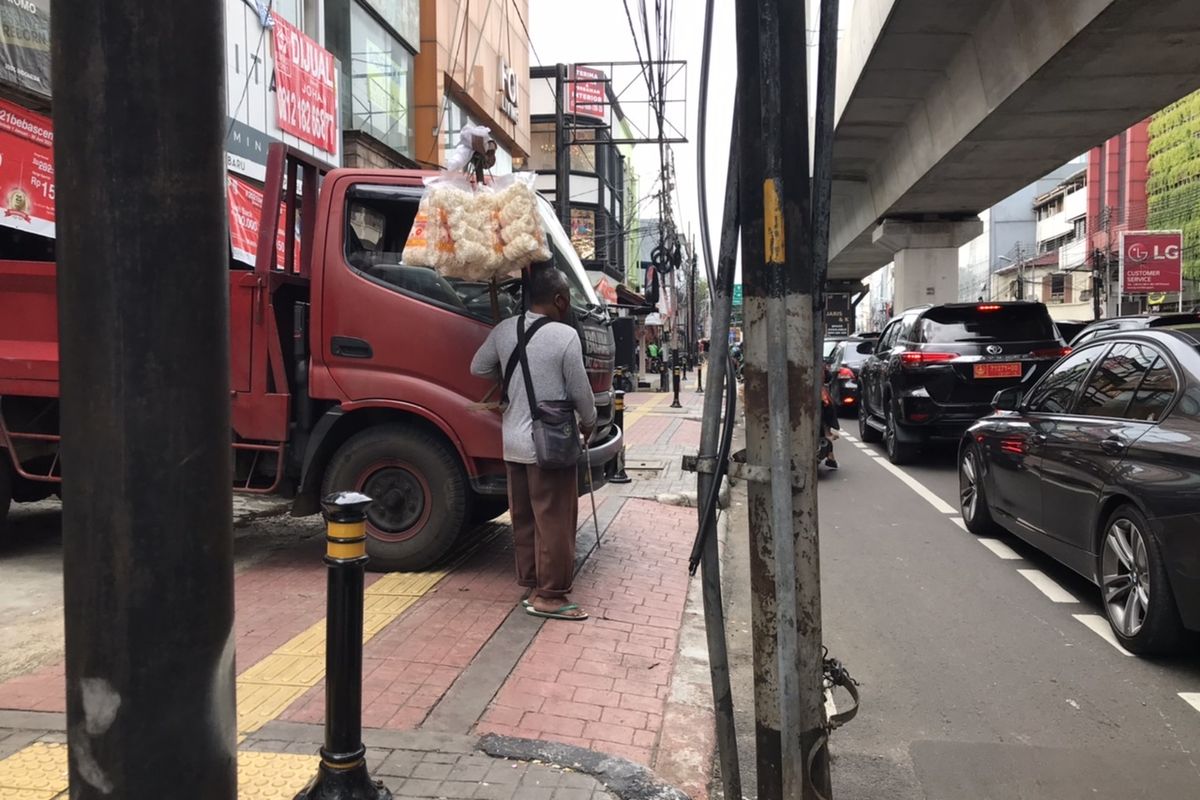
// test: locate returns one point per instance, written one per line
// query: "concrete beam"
(1021, 86)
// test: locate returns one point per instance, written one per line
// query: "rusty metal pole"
(143, 298)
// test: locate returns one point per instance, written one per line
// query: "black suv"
(936, 369)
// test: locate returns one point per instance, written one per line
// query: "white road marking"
(999, 548)
(1192, 699)
(1099, 626)
(1046, 585)
(918, 487)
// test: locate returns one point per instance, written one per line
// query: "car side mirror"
(1007, 399)
(866, 348)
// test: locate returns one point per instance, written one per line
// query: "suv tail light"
(845, 373)
(988, 307)
(919, 359)
(1051, 352)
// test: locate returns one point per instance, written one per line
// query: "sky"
(572, 31)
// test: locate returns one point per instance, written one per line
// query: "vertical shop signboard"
(305, 87)
(588, 95)
(26, 170)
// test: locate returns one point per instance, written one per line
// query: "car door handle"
(1113, 445)
(350, 347)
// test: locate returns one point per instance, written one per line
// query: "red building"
(1116, 185)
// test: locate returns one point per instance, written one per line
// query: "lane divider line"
(1099, 626)
(1192, 699)
(1047, 586)
(929, 497)
(998, 547)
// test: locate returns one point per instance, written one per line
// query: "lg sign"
(1151, 262)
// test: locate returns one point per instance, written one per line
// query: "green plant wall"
(1173, 184)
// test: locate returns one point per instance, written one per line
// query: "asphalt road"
(978, 681)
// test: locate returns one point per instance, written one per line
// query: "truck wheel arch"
(338, 424)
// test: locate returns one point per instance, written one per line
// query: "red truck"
(350, 370)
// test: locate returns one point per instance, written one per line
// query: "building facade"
(1173, 182)
(1116, 187)
(599, 168)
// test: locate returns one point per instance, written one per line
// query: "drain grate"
(645, 469)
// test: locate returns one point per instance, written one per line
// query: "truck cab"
(349, 368)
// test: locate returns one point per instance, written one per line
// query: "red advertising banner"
(245, 212)
(305, 87)
(26, 170)
(1151, 261)
(587, 93)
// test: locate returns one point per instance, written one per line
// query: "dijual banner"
(26, 170)
(305, 87)
(245, 211)
(25, 44)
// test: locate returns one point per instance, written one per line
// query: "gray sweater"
(556, 367)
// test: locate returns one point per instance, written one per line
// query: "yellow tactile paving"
(39, 772)
(267, 688)
(645, 408)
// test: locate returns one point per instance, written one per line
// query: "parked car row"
(1089, 453)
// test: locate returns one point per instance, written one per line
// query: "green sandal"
(558, 613)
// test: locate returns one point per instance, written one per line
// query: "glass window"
(291, 10)
(1055, 392)
(889, 336)
(986, 323)
(855, 353)
(381, 82)
(404, 17)
(1114, 382)
(1155, 394)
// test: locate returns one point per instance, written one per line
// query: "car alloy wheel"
(1125, 577)
(968, 487)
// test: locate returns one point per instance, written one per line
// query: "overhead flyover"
(944, 108)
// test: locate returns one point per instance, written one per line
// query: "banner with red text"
(305, 87)
(245, 213)
(26, 170)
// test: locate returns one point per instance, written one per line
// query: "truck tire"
(420, 491)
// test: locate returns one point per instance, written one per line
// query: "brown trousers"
(544, 506)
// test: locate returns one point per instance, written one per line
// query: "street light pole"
(139, 124)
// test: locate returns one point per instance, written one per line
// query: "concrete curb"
(625, 779)
(688, 744)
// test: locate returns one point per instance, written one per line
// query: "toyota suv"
(936, 369)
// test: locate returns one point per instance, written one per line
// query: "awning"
(628, 297)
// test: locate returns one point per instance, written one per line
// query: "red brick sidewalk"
(603, 683)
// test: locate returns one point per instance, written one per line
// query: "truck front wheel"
(419, 489)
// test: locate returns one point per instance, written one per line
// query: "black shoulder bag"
(556, 438)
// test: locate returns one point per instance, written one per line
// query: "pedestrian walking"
(543, 502)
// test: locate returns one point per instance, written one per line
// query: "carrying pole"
(145, 420)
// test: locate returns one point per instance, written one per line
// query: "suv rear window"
(970, 324)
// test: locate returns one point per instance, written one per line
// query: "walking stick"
(592, 491)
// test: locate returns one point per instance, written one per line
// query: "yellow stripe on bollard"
(346, 540)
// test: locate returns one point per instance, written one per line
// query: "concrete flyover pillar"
(926, 258)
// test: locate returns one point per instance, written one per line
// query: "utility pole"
(1097, 282)
(562, 147)
(782, 414)
(139, 118)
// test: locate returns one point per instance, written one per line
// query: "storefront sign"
(588, 95)
(25, 44)
(245, 212)
(26, 170)
(737, 294)
(838, 318)
(1151, 261)
(251, 96)
(510, 89)
(305, 87)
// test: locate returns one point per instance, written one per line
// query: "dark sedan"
(844, 364)
(1099, 467)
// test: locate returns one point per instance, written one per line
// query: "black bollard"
(700, 378)
(342, 774)
(675, 387)
(619, 475)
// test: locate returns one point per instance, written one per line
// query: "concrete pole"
(143, 297)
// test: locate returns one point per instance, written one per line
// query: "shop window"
(381, 82)
(583, 233)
